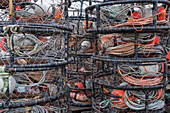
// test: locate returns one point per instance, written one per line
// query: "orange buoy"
(78, 84)
(161, 16)
(118, 93)
(78, 94)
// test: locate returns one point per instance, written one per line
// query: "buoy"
(41, 38)
(47, 7)
(12, 84)
(58, 12)
(118, 93)
(78, 94)
(21, 61)
(168, 55)
(162, 15)
(85, 45)
(78, 84)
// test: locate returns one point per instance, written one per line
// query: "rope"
(142, 38)
(135, 77)
(35, 84)
(33, 39)
(13, 29)
(136, 100)
(39, 109)
(107, 102)
(137, 103)
(11, 7)
(147, 47)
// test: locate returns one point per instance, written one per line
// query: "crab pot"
(117, 88)
(81, 47)
(79, 79)
(82, 44)
(128, 16)
(132, 46)
(33, 49)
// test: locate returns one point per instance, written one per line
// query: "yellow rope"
(11, 7)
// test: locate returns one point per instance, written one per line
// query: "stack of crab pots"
(34, 56)
(129, 71)
(81, 48)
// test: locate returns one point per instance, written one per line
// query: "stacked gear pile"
(34, 55)
(109, 55)
(131, 72)
(80, 44)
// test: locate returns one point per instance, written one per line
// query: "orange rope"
(139, 80)
(140, 21)
(145, 46)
